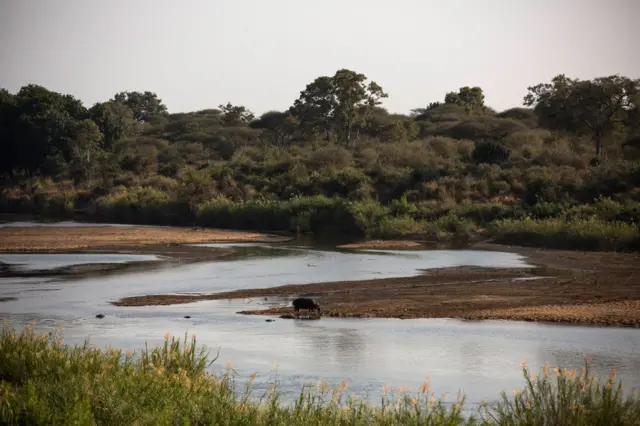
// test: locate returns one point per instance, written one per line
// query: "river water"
(479, 358)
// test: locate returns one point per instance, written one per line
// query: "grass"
(585, 234)
(603, 225)
(42, 381)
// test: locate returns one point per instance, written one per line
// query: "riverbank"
(564, 287)
(57, 239)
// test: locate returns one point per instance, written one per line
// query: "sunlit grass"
(42, 381)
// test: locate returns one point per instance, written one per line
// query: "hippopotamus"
(305, 303)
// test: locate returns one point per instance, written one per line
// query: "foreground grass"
(42, 381)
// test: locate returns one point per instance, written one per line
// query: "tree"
(145, 105)
(85, 146)
(235, 115)
(114, 119)
(470, 98)
(338, 103)
(315, 107)
(586, 107)
(281, 125)
(39, 124)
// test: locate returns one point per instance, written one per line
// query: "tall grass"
(585, 234)
(42, 381)
(606, 224)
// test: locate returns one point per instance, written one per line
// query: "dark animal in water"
(305, 303)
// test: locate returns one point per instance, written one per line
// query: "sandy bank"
(51, 239)
(590, 288)
(382, 244)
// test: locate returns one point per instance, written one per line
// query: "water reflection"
(39, 262)
(481, 358)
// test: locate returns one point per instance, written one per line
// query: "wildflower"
(425, 386)
(414, 401)
(229, 365)
(523, 363)
(253, 377)
(533, 376)
(556, 372)
(167, 336)
(545, 370)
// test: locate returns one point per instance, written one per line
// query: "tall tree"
(84, 148)
(41, 123)
(595, 107)
(235, 115)
(339, 103)
(145, 105)
(315, 107)
(470, 98)
(114, 119)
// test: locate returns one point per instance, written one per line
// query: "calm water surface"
(481, 358)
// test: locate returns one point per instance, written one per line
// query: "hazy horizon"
(262, 54)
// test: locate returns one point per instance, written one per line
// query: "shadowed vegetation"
(337, 161)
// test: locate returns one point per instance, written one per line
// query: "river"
(479, 358)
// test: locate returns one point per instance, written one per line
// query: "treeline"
(573, 142)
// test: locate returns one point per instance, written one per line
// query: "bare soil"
(52, 239)
(567, 287)
(382, 244)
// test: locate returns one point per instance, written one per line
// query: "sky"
(198, 54)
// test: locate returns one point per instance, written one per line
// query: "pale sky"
(197, 54)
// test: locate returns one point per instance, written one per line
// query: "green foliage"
(359, 168)
(42, 381)
(557, 233)
(490, 152)
(470, 98)
(337, 104)
(593, 107)
(146, 106)
(142, 205)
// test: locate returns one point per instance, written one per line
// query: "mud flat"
(56, 239)
(566, 287)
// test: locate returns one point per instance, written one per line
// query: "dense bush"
(448, 170)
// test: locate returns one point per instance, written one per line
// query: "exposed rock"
(100, 316)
